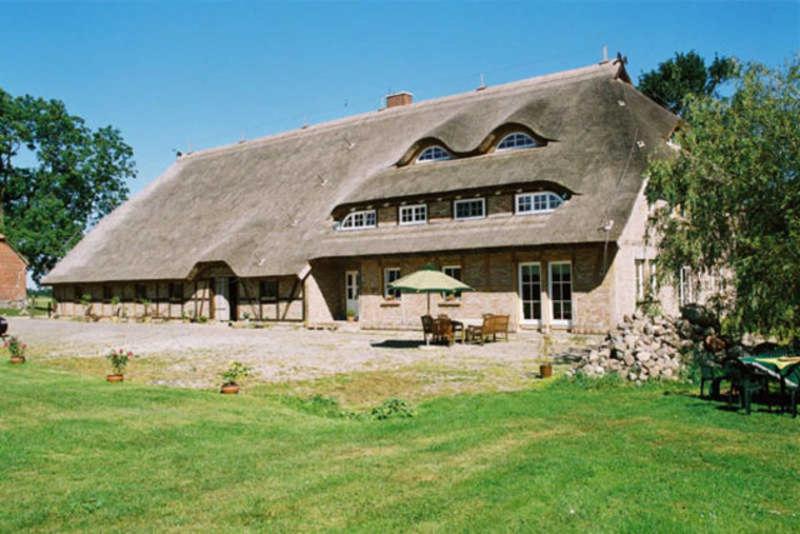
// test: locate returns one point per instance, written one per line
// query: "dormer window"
(433, 153)
(543, 202)
(517, 140)
(358, 220)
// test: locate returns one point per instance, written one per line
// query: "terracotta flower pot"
(546, 370)
(17, 359)
(229, 389)
(115, 378)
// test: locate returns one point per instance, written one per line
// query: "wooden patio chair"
(443, 330)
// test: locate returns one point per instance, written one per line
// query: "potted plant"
(119, 360)
(236, 372)
(545, 362)
(351, 315)
(16, 349)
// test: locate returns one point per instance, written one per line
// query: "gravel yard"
(192, 355)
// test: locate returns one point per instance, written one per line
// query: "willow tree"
(730, 198)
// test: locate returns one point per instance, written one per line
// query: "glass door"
(530, 292)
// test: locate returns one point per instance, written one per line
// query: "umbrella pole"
(427, 338)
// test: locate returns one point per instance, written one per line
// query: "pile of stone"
(643, 347)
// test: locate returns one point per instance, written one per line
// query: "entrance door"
(351, 292)
(233, 298)
(530, 292)
(221, 308)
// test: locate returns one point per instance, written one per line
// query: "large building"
(530, 192)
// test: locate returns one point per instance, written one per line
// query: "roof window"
(517, 140)
(434, 153)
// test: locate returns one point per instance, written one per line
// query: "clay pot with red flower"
(118, 358)
(16, 349)
(232, 376)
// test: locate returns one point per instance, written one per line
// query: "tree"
(730, 199)
(57, 177)
(686, 74)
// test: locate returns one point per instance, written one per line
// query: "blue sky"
(179, 75)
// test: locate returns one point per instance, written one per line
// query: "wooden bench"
(491, 327)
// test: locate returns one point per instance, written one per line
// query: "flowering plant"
(236, 372)
(15, 347)
(119, 359)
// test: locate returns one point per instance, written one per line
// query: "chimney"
(403, 98)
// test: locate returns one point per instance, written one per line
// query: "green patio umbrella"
(429, 280)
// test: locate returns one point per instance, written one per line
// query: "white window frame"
(653, 279)
(448, 154)
(445, 268)
(387, 292)
(456, 203)
(553, 320)
(533, 196)
(412, 208)
(353, 214)
(522, 318)
(534, 142)
(638, 267)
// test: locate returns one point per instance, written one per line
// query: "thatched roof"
(264, 206)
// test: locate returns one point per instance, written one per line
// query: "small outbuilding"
(13, 280)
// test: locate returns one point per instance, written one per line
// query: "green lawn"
(77, 453)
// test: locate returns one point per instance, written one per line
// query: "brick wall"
(494, 274)
(13, 283)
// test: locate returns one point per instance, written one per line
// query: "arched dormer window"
(433, 153)
(358, 220)
(540, 202)
(517, 140)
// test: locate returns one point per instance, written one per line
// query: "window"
(176, 291)
(686, 294)
(653, 280)
(561, 291)
(359, 219)
(453, 271)
(268, 290)
(417, 214)
(474, 208)
(433, 153)
(639, 266)
(538, 202)
(78, 293)
(141, 292)
(516, 141)
(390, 274)
(530, 291)
(107, 294)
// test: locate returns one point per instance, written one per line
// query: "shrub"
(392, 408)
(119, 359)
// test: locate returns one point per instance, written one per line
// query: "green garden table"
(785, 369)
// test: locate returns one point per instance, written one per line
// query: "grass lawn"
(39, 308)
(77, 453)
